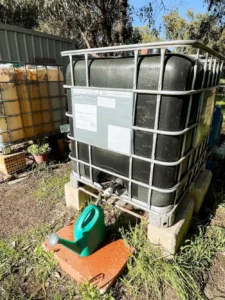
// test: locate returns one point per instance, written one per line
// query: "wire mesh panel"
(157, 147)
(32, 102)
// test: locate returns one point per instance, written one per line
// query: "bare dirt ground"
(19, 208)
(215, 287)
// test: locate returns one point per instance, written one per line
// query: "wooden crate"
(11, 163)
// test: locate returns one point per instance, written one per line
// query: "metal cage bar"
(133, 120)
(89, 146)
(156, 124)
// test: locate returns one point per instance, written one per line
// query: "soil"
(219, 219)
(19, 210)
(215, 287)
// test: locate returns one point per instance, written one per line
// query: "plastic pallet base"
(12, 163)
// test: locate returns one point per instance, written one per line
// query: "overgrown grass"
(150, 272)
(23, 257)
(88, 292)
(28, 272)
(51, 187)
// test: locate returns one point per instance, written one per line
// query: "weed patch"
(150, 272)
(23, 256)
(51, 187)
(88, 292)
(26, 270)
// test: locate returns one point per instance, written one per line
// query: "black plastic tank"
(118, 73)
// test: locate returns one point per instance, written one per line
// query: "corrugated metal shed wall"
(23, 45)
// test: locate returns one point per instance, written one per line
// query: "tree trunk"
(123, 5)
(107, 29)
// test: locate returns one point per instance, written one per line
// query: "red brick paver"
(101, 268)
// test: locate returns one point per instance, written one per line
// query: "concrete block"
(101, 268)
(200, 189)
(74, 180)
(74, 197)
(171, 238)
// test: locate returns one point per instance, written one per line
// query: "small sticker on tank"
(106, 102)
(121, 94)
(86, 117)
(78, 91)
(119, 139)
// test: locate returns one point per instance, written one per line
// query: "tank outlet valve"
(119, 182)
(108, 192)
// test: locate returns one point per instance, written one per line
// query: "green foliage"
(203, 27)
(45, 260)
(150, 272)
(175, 26)
(8, 259)
(217, 9)
(25, 253)
(23, 260)
(148, 35)
(89, 292)
(19, 12)
(36, 149)
(51, 187)
(92, 23)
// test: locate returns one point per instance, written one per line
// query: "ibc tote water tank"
(177, 76)
(32, 102)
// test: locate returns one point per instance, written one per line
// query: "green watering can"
(88, 231)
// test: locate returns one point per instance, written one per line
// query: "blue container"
(216, 126)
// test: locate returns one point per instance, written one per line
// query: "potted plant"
(39, 152)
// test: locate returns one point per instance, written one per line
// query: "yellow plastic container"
(30, 102)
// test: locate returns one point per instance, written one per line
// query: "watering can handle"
(84, 216)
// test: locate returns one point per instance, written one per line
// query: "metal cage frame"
(212, 61)
(5, 146)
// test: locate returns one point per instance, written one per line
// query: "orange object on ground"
(101, 268)
(11, 163)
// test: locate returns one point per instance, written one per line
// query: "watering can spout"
(71, 245)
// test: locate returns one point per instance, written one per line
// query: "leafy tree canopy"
(19, 13)
(96, 23)
(93, 23)
(203, 27)
(217, 9)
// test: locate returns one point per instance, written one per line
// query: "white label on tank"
(116, 94)
(85, 91)
(86, 117)
(119, 139)
(106, 102)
